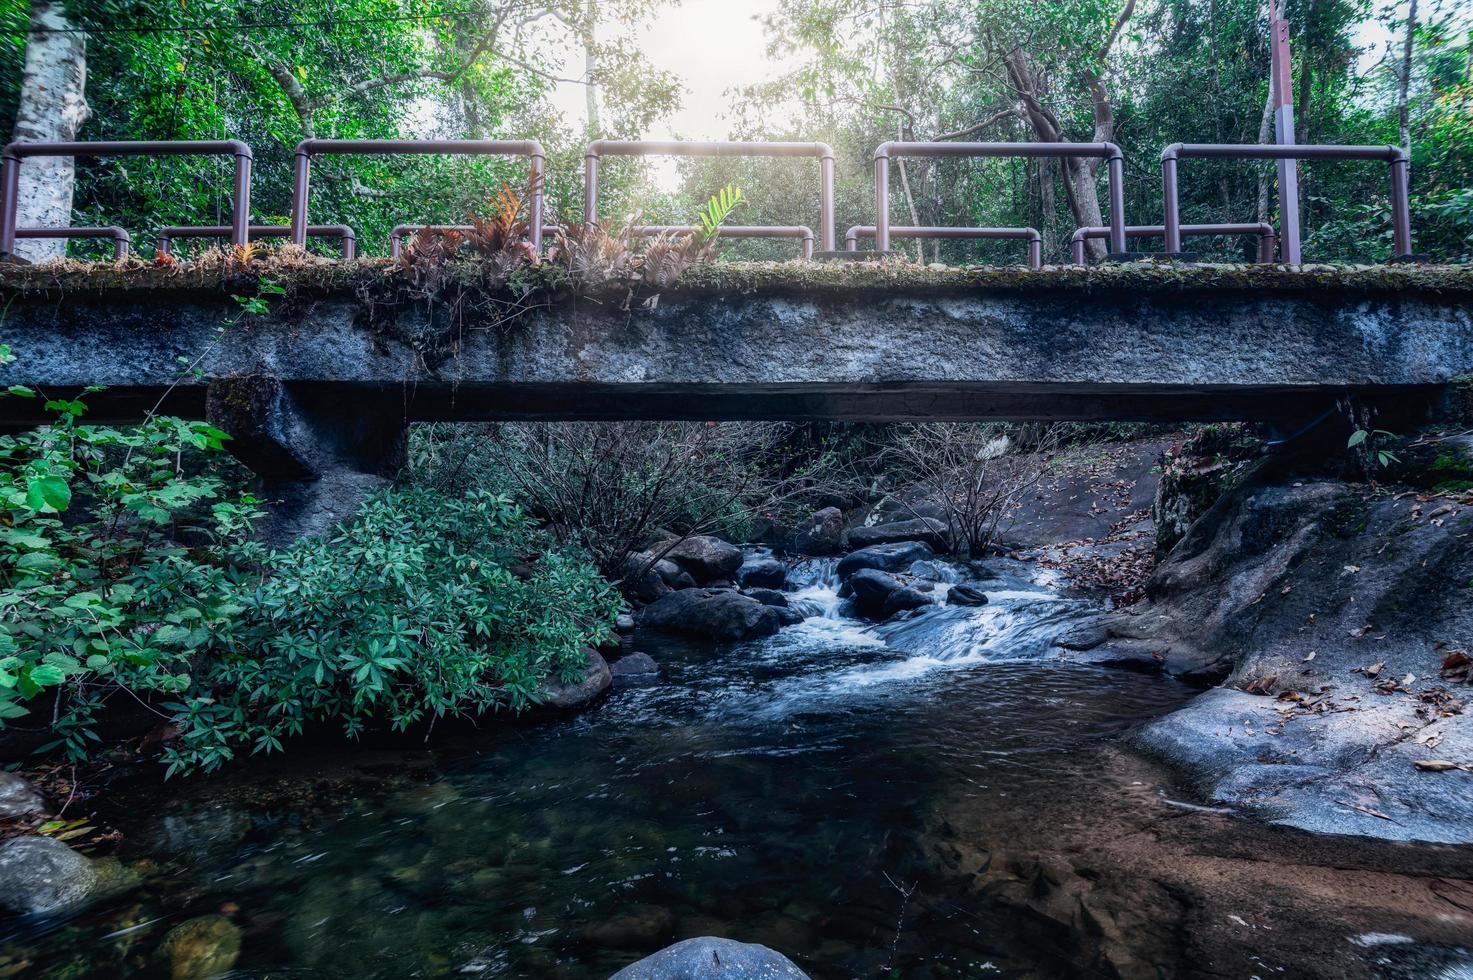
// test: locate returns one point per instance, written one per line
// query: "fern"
(717, 210)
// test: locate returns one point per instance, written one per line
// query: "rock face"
(580, 693)
(927, 529)
(711, 614)
(764, 573)
(885, 557)
(710, 958)
(18, 797)
(879, 594)
(822, 534)
(706, 558)
(1339, 611)
(966, 595)
(41, 874)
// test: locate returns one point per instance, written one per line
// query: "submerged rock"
(879, 594)
(706, 558)
(933, 532)
(41, 874)
(765, 573)
(886, 557)
(634, 665)
(711, 958)
(966, 595)
(579, 693)
(711, 614)
(18, 797)
(201, 948)
(641, 926)
(822, 534)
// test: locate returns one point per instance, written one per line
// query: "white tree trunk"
(53, 106)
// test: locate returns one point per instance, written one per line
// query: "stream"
(796, 791)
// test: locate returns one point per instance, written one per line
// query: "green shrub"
(423, 606)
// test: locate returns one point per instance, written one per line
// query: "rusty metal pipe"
(11, 157)
(598, 149)
(1267, 237)
(1109, 152)
(1394, 156)
(120, 237)
(1030, 235)
(256, 232)
(307, 149)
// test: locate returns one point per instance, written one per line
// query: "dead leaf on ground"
(1438, 765)
(1260, 685)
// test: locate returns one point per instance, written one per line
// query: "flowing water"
(783, 791)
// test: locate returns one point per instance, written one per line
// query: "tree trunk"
(1265, 129)
(53, 106)
(1403, 110)
(590, 67)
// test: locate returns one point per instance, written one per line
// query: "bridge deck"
(791, 340)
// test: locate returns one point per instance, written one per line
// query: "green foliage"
(716, 212)
(424, 606)
(1370, 446)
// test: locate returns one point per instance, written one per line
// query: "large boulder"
(879, 594)
(763, 573)
(594, 681)
(966, 595)
(768, 597)
(711, 614)
(821, 534)
(927, 529)
(18, 797)
(635, 665)
(706, 558)
(711, 958)
(885, 557)
(642, 580)
(41, 874)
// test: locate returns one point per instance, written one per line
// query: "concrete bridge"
(330, 376)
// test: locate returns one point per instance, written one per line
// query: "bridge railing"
(1030, 235)
(11, 157)
(1109, 152)
(1395, 157)
(1267, 237)
(343, 233)
(120, 237)
(598, 149)
(309, 148)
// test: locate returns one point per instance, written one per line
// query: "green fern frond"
(717, 211)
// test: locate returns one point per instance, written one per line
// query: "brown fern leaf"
(503, 228)
(591, 255)
(668, 256)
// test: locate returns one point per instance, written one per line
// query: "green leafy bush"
(423, 606)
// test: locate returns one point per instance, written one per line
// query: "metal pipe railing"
(735, 231)
(255, 232)
(307, 149)
(11, 157)
(1030, 235)
(824, 153)
(121, 238)
(1109, 152)
(1395, 156)
(1267, 237)
(399, 233)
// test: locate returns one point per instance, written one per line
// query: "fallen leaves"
(1457, 666)
(1441, 765)
(1260, 685)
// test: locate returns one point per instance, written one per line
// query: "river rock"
(641, 579)
(706, 558)
(787, 616)
(41, 874)
(879, 594)
(711, 614)
(821, 534)
(766, 573)
(643, 926)
(885, 557)
(580, 693)
(18, 797)
(935, 533)
(966, 595)
(201, 948)
(673, 575)
(711, 958)
(634, 665)
(768, 597)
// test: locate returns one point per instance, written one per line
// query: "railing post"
(590, 186)
(9, 203)
(539, 186)
(240, 217)
(882, 198)
(1401, 212)
(1266, 242)
(1170, 208)
(825, 201)
(1115, 166)
(301, 174)
(1035, 252)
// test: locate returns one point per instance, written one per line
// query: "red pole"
(1283, 92)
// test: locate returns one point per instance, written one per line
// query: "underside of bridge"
(330, 374)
